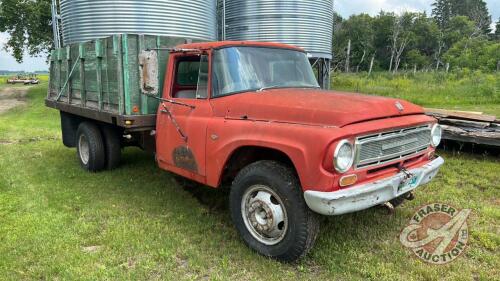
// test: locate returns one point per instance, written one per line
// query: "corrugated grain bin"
(84, 20)
(307, 24)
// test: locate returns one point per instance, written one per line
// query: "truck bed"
(113, 80)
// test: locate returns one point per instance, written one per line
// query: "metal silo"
(84, 20)
(304, 23)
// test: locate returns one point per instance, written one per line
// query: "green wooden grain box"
(113, 79)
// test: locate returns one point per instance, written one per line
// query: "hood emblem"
(399, 106)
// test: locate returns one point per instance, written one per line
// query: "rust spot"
(184, 158)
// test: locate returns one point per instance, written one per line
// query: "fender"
(304, 145)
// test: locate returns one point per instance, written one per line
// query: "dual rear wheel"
(98, 147)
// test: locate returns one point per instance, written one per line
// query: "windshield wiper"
(278, 86)
(270, 87)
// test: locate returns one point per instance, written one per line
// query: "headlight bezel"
(336, 156)
(436, 128)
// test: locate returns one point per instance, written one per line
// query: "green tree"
(460, 27)
(476, 10)
(340, 39)
(426, 40)
(442, 11)
(28, 22)
(382, 27)
(416, 58)
(476, 53)
(359, 29)
(402, 37)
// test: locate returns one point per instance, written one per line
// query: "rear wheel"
(269, 211)
(90, 147)
(112, 147)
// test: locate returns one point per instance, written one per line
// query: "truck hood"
(311, 107)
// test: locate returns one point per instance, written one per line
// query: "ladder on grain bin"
(56, 18)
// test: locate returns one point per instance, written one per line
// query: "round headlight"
(343, 156)
(436, 134)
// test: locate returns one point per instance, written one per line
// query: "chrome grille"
(390, 146)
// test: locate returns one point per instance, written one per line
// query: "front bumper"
(364, 196)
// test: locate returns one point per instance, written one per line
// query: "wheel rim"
(83, 149)
(264, 214)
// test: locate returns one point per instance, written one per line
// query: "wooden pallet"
(466, 126)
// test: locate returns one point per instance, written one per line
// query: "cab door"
(183, 116)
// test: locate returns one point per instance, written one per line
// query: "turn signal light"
(129, 122)
(348, 180)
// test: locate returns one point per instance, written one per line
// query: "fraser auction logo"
(437, 233)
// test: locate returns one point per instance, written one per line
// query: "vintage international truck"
(249, 116)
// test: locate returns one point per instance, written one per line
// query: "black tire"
(302, 227)
(112, 147)
(90, 147)
(69, 126)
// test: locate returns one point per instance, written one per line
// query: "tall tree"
(340, 39)
(383, 27)
(460, 28)
(359, 29)
(476, 10)
(442, 11)
(28, 22)
(401, 37)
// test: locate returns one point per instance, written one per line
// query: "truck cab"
(252, 116)
(249, 116)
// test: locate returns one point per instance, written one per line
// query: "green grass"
(146, 227)
(465, 90)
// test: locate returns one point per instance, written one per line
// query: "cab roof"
(225, 44)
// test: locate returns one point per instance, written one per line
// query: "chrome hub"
(264, 214)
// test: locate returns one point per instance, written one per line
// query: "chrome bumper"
(364, 196)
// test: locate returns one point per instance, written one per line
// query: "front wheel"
(269, 211)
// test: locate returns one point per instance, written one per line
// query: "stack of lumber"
(466, 126)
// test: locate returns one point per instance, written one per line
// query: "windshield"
(241, 69)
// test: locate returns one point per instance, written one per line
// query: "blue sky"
(343, 7)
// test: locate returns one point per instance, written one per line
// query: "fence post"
(371, 65)
(348, 56)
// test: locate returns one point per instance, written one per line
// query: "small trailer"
(26, 80)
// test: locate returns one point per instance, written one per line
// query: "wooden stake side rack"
(466, 126)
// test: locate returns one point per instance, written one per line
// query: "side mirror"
(148, 64)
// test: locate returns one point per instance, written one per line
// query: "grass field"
(58, 222)
(464, 90)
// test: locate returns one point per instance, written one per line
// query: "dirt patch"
(11, 97)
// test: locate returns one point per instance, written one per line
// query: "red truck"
(251, 116)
